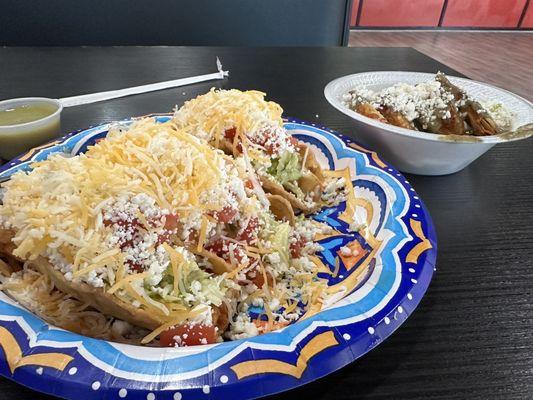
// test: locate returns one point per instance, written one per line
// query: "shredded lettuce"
(197, 286)
(280, 242)
(294, 188)
(286, 168)
(269, 225)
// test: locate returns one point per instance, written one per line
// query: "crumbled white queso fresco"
(157, 217)
(500, 114)
(423, 101)
(259, 137)
(424, 104)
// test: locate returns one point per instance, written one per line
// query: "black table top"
(472, 335)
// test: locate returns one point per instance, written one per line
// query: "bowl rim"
(37, 121)
(328, 94)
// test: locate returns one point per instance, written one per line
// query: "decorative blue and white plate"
(385, 284)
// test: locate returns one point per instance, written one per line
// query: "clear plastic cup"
(19, 138)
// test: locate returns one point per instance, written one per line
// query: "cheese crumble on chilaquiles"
(169, 233)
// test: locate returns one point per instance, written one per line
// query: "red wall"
(355, 10)
(485, 13)
(527, 22)
(401, 12)
(504, 14)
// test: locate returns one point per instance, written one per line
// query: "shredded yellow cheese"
(173, 164)
(146, 300)
(177, 319)
(202, 235)
(218, 110)
(157, 159)
(290, 308)
(177, 262)
(233, 273)
(125, 280)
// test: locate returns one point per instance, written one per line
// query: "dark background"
(472, 335)
(174, 22)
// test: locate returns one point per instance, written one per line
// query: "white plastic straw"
(113, 94)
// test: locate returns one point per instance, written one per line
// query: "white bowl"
(420, 152)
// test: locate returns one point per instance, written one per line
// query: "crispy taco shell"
(281, 208)
(110, 304)
(99, 299)
(310, 161)
(96, 297)
(220, 265)
(8, 262)
(310, 183)
(275, 188)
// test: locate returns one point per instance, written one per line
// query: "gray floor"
(504, 59)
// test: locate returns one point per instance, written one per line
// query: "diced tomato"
(133, 224)
(136, 267)
(270, 149)
(248, 184)
(270, 146)
(172, 221)
(216, 247)
(129, 227)
(293, 141)
(230, 133)
(221, 248)
(238, 254)
(193, 236)
(163, 238)
(188, 334)
(250, 232)
(257, 278)
(296, 247)
(225, 215)
(171, 224)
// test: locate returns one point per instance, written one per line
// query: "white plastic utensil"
(113, 94)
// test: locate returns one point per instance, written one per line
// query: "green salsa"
(26, 113)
